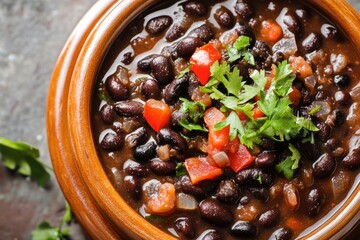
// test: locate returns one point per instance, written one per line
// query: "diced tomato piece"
(201, 61)
(295, 96)
(294, 224)
(270, 31)
(257, 113)
(162, 203)
(220, 138)
(157, 114)
(242, 116)
(240, 159)
(200, 169)
(301, 67)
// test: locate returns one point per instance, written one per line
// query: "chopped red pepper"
(201, 61)
(240, 159)
(200, 169)
(295, 96)
(157, 114)
(220, 138)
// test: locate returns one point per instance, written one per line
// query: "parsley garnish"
(290, 164)
(180, 170)
(315, 110)
(239, 50)
(24, 158)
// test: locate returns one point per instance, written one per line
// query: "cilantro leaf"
(25, 158)
(239, 49)
(235, 124)
(191, 126)
(290, 164)
(315, 110)
(68, 214)
(183, 72)
(180, 170)
(194, 109)
(45, 231)
(250, 91)
(283, 79)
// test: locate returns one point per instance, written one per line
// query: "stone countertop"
(32, 34)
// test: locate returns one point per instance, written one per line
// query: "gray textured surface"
(32, 34)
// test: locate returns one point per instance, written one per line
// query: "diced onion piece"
(186, 202)
(286, 45)
(355, 93)
(221, 159)
(164, 152)
(339, 62)
(291, 195)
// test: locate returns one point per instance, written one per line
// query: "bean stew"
(230, 119)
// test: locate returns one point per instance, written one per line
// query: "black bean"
(137, 170)
(139, 136)
(278, 57)
(161, 167)
(158, 24)
(193, 84)
(112, 142)
(343, 98)
(292, 22)
(245, 200)
(268, 144)
(176, 31)
(260, 193)
(339, 117)
(144, 64)
(244, 9)
(127, 58)
(145, 152)
(322, 94)
(117, 90)
(324, 166)
(261, 50)
(186, 47)
(243, 229)
(314, 201)
(150, 89)
(266, 159)
(312, 42)
(132, 185)
(189, 188)
(243, 30)
(252, 176)
(342, 80)
(162, 69)
(107, 114)
(212, 235)
(184, 227)
(129, 108)
(281, 234)
(329, 31)
(168, 136)
(204, 33)
(228, 191)
(215, 213)
(224, 17)
(176, 116)
(195, 8)
(352, 159)
(332, 144)
(269, 218)
(175, 89)
(324, 131)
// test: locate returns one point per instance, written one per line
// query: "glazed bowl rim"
(84, 74)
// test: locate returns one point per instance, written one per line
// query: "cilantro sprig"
(24, 158)
(240, 50)
(195, 111)
(290, 164)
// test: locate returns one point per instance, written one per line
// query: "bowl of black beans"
(209, 120)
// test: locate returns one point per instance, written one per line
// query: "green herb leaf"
(194, 109)
(315, 110)
(46, 232)
(183, 72)
(68, 214)
(180, 170)
(283, 79)
(191, 126)
(235, 124)
(259, 179)
(250, 91)
(154, 218)
(24, 157)
(239, 49)
(290, 164)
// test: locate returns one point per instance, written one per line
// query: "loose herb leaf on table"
(24, 158)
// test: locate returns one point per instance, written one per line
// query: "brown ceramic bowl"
(95, 202)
